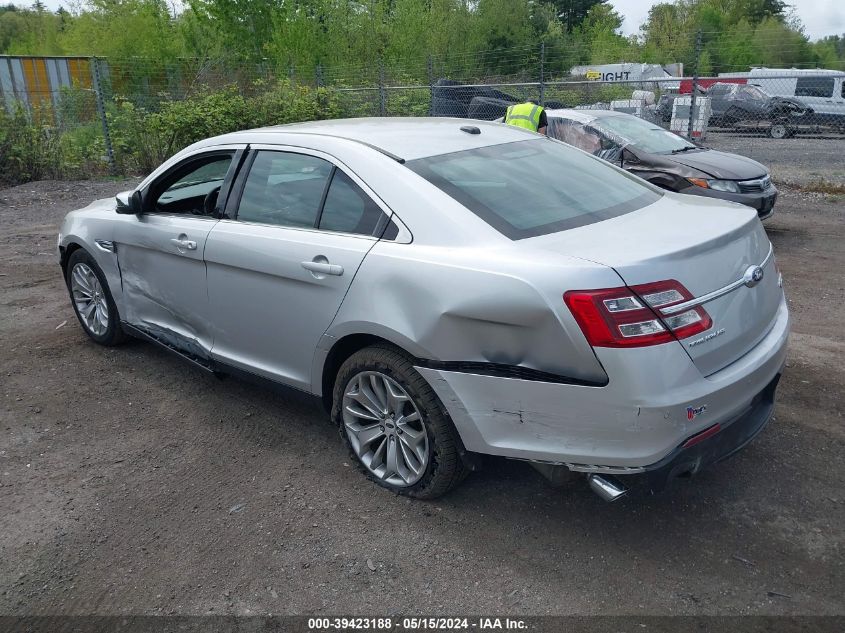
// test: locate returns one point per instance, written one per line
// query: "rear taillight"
(627, 317)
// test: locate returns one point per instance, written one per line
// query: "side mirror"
(129, 203)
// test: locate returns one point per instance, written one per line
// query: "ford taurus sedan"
(665, 159)
(449, 290)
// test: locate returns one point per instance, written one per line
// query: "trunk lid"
(704, 244)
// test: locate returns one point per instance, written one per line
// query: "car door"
(279, 266)
(718, 94)
(160, 252)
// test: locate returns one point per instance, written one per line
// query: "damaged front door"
(160, 254)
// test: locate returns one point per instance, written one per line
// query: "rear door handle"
(188, 245)
(323, 268)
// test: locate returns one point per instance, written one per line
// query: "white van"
(820, 89)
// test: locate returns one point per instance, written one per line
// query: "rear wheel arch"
(339, 353)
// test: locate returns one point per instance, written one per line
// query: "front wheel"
(92, 300)
(779, 130)
(395, 426)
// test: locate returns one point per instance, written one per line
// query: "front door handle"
(323, 268)
(184, 244)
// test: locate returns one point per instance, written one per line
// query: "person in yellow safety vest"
(528, 115)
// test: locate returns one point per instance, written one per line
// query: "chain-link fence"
(81, 104)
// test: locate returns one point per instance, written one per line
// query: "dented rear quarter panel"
(490, 303)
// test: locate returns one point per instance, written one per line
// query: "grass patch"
(817, 185)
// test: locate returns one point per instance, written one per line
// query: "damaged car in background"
(733, 104)
(449, 291)
(665, 159)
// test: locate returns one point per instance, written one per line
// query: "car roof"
(762, 71)
(582, 116)
(403, 138)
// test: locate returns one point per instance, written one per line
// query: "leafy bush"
(143, 138)
(28, 150)
(289, 103)
(82, 152)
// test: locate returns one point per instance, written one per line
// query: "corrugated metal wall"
(36, 80)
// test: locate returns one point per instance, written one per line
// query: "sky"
(820, 17)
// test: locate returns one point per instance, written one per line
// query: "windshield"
(645, 136)
(535, 187)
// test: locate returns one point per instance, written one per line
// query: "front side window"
(814, 87)
(348, 209)
(191, 188)
(284, 189)
(535, 187)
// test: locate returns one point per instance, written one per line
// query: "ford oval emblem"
(752, 276)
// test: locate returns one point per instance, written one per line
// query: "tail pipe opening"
(608, 488)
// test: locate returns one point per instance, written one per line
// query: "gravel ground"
(799, 161)
(132, 483)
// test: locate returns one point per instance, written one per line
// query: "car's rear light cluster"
(627, 317)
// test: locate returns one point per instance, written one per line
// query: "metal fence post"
(542, 72)
(430, 68)
(694, 85)
(101, 111)
(382, 95)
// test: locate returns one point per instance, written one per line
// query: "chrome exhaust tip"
(608, 488)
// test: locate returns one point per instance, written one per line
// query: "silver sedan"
(449, 289)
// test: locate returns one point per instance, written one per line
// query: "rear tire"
(394, 425)
(92, 300)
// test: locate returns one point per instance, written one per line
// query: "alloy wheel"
(385, 429)
(89, 299)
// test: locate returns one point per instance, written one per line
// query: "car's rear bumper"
(763, 201)
(630, 425)
(730, 437)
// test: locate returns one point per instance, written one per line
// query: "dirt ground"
(132, 483)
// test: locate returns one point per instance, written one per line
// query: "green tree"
(573, 12)
(124, 29)
(29, 31)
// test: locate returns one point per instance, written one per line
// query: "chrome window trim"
(710, 296)
(179, 158)
(307, 229)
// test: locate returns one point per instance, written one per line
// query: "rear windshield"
(535, 187)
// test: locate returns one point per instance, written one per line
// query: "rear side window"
(814, 87)
(348, 209)
(535, 187)
(284, 189)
